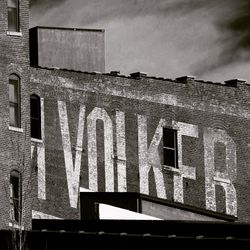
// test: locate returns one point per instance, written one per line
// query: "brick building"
(67, 125)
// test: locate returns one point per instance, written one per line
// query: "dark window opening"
(170, 147)
(15, 196)
(35, 117)
(13, 15)
(14, 101)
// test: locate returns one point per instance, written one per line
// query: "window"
(15, 196)
(35, 117)
(14, 101)
(170, 147)
(13, 15)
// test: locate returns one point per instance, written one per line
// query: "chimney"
(138, 75)
(114, 73)
(234, 82)
(185, 79)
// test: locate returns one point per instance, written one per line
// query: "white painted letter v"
(72, 170)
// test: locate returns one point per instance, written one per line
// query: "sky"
(208, 39)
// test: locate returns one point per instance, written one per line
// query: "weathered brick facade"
(128, 115)
(14, 143)
(103, 132)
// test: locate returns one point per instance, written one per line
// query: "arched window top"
(14, 77)
(35, 96)
(15, 173)
(13, 3)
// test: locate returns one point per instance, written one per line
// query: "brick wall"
(118, 145)
(104, 133)
(14, 145)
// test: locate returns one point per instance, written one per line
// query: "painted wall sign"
(148, 157)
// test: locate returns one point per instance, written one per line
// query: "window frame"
(35, 121)
(16, 104)
(173, 148)
(15, 196)
(16, 10)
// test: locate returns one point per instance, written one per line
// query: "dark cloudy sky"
(209, 39)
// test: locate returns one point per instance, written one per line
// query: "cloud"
(89, 11)
(233, 26)
(237, 29)
(162, 37)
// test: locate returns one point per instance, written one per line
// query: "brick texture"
(202, 104)
(104, 132)
(14, 146)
